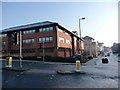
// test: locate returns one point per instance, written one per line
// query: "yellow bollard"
(77, 66)
(9, 62)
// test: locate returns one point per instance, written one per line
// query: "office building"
(50, 37)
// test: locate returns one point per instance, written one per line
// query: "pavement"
(46, 75)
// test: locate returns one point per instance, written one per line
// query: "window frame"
(28, 41)
(45, 29)
(61, 39)
(45, 39)
(29, 31)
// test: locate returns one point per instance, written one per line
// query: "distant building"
(100, 48)
(88, 45)
(92, 48)
(57, 40)
(106, 49)
(116, 48)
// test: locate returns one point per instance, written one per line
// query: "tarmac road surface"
(43, 75)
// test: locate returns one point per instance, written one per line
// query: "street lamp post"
(80, 32)
(42, 46)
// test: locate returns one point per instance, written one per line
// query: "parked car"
(108, 54)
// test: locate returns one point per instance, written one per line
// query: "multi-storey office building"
(51, 37)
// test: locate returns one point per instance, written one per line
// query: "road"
(43, 75)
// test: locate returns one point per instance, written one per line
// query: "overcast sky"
(101, 21)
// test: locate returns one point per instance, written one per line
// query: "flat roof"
(28, 26)
(38, 24)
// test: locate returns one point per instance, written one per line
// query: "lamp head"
(83, 18)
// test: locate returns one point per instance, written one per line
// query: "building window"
(45, 29)
(51, 38)
(50, 28)
(3, 35)
(48, 50)
(40, 40)
(15, 51)
(61, 39)
(40, 30)
(45, 39)
(29, 31)
(4, 51)
(29, 51)
(2, 43)
(67, 41)
(28, 41)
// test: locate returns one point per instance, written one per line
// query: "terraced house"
(51, 37)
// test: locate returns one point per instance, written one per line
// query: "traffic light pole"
(20, 49)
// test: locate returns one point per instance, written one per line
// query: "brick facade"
(52, 48)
